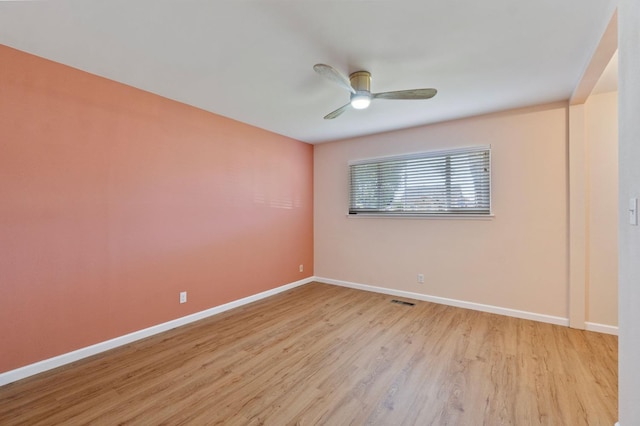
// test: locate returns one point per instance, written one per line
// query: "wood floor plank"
(322, 354)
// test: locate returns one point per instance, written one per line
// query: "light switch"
(633, 211)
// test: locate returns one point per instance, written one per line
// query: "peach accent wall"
(601, 129)
(113, 200)
(518, 259)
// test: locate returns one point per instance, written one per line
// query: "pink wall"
(113, 200)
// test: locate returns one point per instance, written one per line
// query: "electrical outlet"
(301, 268)
(183, 297)
(420, 278)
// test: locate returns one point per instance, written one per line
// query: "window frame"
(452, 214)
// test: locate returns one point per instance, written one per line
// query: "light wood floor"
(322, 354)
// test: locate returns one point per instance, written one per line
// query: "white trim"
(452, 302)
(421, 216)
(601, 328)
(60, 360)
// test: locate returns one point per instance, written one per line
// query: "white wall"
(516, 260)
(629, 246)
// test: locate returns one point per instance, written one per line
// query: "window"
(443, 183)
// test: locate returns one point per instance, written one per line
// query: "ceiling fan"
(359, 84)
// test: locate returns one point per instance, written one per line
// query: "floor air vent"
(402, 302)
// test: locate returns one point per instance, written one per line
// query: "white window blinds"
(456, 182)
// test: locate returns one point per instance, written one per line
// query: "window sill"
(417, 216)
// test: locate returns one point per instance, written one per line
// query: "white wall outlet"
(420, 278)
(301, 268)
(633, 211)
(183, 297)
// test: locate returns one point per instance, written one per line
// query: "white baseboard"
(601, 328)
(60, 360)
(452, 302)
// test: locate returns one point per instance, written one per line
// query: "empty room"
(319, 213)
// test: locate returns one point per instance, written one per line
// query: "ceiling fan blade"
(337, 112)
(334, 75)
(407, 94)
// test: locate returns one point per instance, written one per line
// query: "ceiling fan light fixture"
(360, 100)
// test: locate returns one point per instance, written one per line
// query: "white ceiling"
(252, 60)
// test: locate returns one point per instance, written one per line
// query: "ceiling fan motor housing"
(360, 81)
